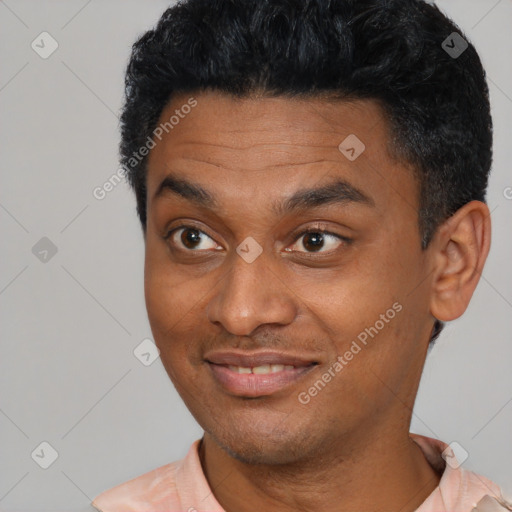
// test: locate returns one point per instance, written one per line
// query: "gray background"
(68, 375)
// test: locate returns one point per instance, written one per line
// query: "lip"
(257, 358)
(256, 385)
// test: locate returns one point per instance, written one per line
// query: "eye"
(191, 238)
(318, 240)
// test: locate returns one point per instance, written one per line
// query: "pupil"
(190, 239)
(317, 241)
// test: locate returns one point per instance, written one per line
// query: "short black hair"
(402, 53)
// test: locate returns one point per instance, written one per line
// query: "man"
(310, 178)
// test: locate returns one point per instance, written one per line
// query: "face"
(284, 277)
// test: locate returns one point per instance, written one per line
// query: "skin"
(348, 448)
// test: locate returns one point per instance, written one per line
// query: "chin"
(274, 446)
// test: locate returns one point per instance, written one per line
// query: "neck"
(358, 474)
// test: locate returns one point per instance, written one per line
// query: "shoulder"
(459, 489)
(143, 493)
(466, 491)
(479, 492)
(179, 486)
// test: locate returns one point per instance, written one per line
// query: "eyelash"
(319, 229)
(323, 231)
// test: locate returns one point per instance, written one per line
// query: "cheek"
(170, 314)
(351, 298)
(367, 308)
(167, 302)
(170, 303)
(169, 293)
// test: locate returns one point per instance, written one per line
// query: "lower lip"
(256, 384)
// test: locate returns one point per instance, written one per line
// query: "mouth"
(257, 374)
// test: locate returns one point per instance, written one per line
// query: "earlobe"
(461, 246)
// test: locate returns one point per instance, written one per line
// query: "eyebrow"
(336, 192)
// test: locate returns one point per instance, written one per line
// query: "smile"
(263, 369)
(257, 373)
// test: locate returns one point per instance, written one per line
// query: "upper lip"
(248, 359)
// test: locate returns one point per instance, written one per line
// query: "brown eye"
(317, 241)
(313, 241)
(191, 238)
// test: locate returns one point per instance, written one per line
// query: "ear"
(460, 246)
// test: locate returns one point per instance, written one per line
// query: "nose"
(251, 294)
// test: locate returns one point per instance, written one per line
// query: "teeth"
(265, 368)
(240, 369)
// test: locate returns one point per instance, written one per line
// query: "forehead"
(260, 148)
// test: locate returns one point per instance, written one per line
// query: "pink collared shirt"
(182, 487)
